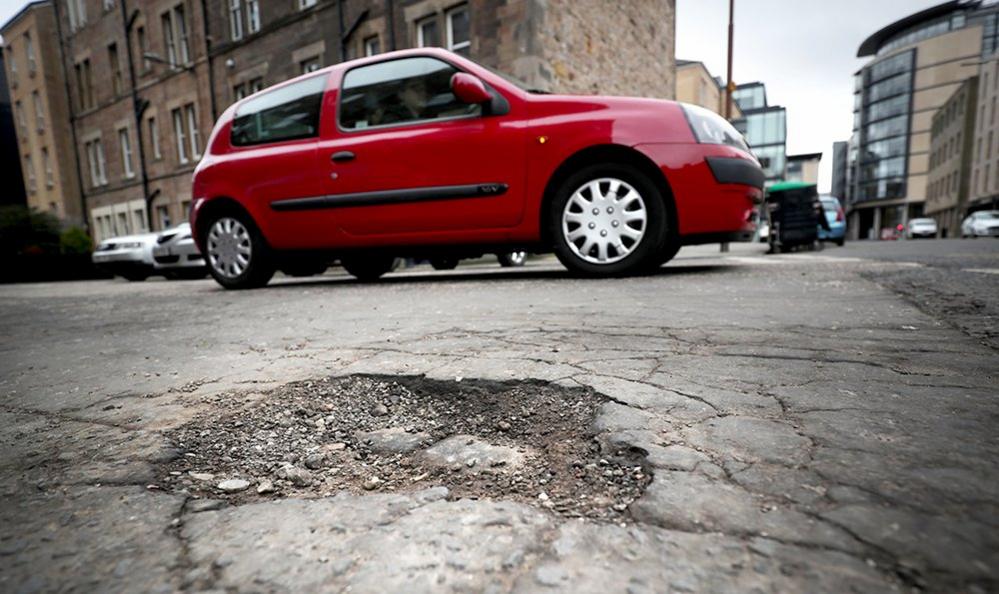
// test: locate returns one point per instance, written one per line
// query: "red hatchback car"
(424, 153)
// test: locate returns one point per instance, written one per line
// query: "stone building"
(952, 137)
(37, 89)
(10, 153)
(694, 84)
(984, 190)
(147, 79)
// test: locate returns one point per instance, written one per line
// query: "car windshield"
(923, 222)
(992, 214)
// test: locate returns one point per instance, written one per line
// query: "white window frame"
(125, 145)
(451, 45)
(369, 49)
(29, 52)
(77, 13)
(303, 4)
(311, 64)
(32, 180)
(13, 66)
(169, 38)
(252, 16)
(154, 137)
(163, 216)
(47, 167)
(102, 164)
(419, 28)
(180, 22)
(109, 4)
(255, 85)
(180, 135)
(22, 122)
(36, 100)
(235, 20)
(191, 115)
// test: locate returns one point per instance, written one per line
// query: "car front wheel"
(608, 220)
(368, 268)
(237, 254)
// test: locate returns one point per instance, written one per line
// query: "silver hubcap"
(229, 247)
(604, 220)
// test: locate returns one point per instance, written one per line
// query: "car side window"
(400, 91)
(288, 113)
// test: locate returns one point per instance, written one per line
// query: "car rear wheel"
(237, 254)
(368, 268)
(135, 277)
(608, 220)
(304, 269)
(444, 263)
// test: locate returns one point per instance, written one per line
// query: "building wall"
(984, 190)
(839, 169)
(953, 132)
(56, 192)
(695, 85)
(805, 170)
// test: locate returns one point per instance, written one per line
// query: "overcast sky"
(803, 50)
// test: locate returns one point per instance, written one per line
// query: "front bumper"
(119, 257)
(182, 254)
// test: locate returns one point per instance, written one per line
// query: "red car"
(426, 154)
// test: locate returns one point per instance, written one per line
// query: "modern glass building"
(915, 65)
(765, 128)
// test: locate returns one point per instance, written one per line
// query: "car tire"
(368, 268)
(512, 259)
(135, 277)
(237, 254)
(841, 241)
(588, 207)
(444, 263)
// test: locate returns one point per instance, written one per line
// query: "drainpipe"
(343, 42)
(208, 57)
(139, 106)
(390, 12)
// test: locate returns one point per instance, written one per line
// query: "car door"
(407, 158)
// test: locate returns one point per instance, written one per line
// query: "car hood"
(144, 238)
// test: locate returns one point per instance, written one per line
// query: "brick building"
(149, 78)
(984, 190)
(37, 89)
(951, 141)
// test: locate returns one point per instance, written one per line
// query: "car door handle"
(342, 156)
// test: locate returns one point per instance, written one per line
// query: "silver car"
(177, 256)
(128, 256)
(984, 223)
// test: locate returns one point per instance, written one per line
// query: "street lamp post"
(730, 87)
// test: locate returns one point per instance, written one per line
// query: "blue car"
(837, 221)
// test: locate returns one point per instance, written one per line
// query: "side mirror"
(469, 89)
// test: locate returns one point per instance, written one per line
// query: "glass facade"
(765, 128)
(881, 120)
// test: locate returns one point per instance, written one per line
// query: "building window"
(427, 33)
(98, 166)
(163, 216)
(140, 37)
(108, 4)
(372, 46)
(185, 208)
(85, 85)
(181, 135)
(116, 79)
(29, 52)
(175, 36)
(303, 4)
(252, 16)
(126, 152)
(13, 66)
(22, 123)
(236, 19)
(30, 168)
(458, 31)
(192, 129)
(36, 99)
(154, 138)
(77, 13)
(47, 167)
(310, 65)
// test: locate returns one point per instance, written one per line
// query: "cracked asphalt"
(814, 422)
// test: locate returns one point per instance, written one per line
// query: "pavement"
(808, 422)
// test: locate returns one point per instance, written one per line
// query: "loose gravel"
(527, 441)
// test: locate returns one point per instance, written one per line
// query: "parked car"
(984, 223)
(129, 256)
(176, 255)
(921, 228)
(837, 221)
(423, 153)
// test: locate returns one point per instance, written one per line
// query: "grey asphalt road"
(811, 422)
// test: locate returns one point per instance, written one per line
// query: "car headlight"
(710, 128)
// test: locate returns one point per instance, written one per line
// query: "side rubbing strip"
(391, 197)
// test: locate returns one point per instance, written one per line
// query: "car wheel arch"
(214, 207)
(605, 153)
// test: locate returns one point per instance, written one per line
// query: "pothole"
(527, 441)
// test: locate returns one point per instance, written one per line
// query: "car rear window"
(288, 113)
